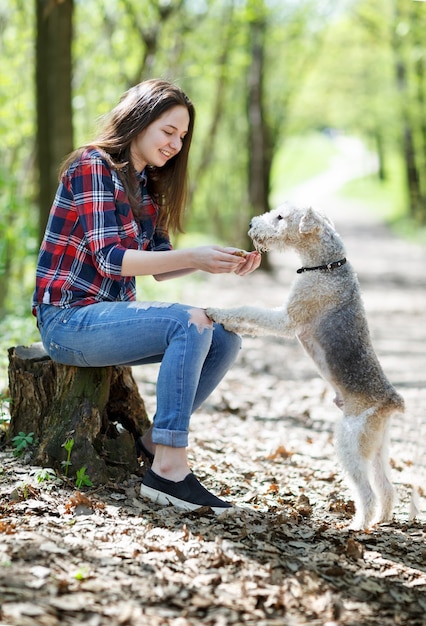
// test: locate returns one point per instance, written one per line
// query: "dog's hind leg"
(356, 462)
(381, 478)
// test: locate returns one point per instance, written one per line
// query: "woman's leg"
(224, 349)
(194, 353)
(194, 356)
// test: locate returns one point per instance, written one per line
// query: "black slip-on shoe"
(142, 451)
(188, 494)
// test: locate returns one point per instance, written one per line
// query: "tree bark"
(259, 148)
(259, 153)
(53, 85)
(98, 407)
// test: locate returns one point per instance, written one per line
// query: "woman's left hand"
(251, 263)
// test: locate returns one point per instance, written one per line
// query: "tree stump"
(99, 407)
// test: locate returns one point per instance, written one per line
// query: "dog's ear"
(310, 222)
(329, 221)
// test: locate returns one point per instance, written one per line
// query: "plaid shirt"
(90, 227)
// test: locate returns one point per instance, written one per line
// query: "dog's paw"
(213, 313)
(216, 315)
(221, 316)
(358, 524)
(361, 522)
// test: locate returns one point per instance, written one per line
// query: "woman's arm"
(173, 274)
(172, 263)
(251, 262)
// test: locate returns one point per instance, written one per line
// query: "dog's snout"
(251, 224)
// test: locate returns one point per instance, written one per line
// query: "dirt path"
(264, 440)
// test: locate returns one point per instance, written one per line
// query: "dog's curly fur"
(324, 310)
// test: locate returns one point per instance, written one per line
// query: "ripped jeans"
(194, 353)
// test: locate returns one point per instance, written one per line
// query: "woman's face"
(161, 140)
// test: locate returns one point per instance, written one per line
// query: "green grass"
(387, 200)
(300, 159)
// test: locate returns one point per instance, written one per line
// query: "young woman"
(117, 200)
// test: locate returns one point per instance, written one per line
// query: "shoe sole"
(159, 497)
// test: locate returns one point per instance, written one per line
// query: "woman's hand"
(251, 262)
(217, 260)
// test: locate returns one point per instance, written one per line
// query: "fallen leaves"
(354, 549)
(284, 556)
(80, 504)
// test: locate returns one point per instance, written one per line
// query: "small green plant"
(44, 475)
(82, 479)
(21, 442)
(68, 445)
(82, 573)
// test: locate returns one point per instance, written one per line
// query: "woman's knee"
(199, 318)
(226, 340)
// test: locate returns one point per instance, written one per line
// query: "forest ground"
(264, 440)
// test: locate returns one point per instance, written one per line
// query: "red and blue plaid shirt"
(90, 227)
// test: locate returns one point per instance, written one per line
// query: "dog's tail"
(394, 403)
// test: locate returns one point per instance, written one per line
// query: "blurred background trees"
(273, 81)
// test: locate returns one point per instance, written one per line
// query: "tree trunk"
(258, 131)
(53, 83)
(98, 407)
(259, 148)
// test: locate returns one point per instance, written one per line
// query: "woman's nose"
(175, 143)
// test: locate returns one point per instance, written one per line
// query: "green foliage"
(43, 475)
(82, 574)
(21, 442)
(327, 64)
(15, 329)
(299, 159)
(384, 198)
(82, 479)
(23, 491)
(68, 445)
(18, 216)
(4, 411)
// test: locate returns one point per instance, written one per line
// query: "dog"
(325, 312)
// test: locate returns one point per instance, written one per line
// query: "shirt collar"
(142, 177)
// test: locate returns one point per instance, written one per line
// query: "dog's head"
(288, 226)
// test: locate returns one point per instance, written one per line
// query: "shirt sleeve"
(93, 191)
(159, 240)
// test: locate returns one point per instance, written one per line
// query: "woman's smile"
(148, 148)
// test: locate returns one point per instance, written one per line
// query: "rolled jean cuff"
(173, 438)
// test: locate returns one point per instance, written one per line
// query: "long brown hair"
(138, 108)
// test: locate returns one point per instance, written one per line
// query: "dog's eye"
(279, 217)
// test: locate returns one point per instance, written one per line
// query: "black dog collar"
(325, 268)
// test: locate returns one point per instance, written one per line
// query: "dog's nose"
(251, 225)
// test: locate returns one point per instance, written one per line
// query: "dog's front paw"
(221, 316)
(214, 314)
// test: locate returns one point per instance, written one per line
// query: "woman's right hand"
(216, 259)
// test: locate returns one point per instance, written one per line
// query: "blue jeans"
(194, 355)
